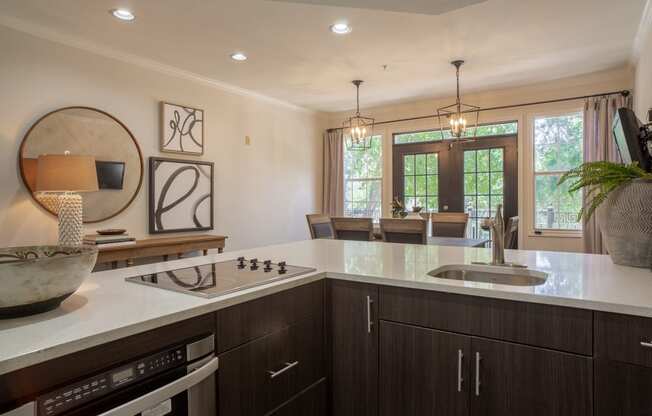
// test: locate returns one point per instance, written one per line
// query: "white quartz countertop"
(107, 308)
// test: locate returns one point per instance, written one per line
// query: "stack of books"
(108, 240)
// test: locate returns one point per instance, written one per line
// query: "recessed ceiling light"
(123, 14)
(340, 28)
(238, 56)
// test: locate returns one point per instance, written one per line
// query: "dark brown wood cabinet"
(622, 389)
(623, 365)
(423, 371)
(554, 327)
(352, 319)
(514, 380)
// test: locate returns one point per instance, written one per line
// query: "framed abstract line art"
(182, 129)
(180, 195)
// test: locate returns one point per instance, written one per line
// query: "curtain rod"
(624, 93)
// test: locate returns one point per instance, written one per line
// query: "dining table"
(458, 241)
(445, 241)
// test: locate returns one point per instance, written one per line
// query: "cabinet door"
(423, 372)
(515, 380)
(622, 389)
(354, 348)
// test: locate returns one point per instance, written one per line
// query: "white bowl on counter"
(37, 279)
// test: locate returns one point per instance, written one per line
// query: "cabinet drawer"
(310, 402)
(554, 327)
(623, 338)
(261, 375)
(242, 323)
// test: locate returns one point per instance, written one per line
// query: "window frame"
(437, 131)
(367, 180)
(533, 231)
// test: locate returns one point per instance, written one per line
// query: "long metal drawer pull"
(477, 373)
(273, 374)
(646, 344)
(155, 397)
(460, 356)
(369, 321)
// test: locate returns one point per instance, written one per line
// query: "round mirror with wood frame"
(92, 132)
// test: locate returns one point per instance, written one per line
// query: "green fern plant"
(599, 179)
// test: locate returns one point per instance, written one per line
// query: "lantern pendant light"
(458, 116)
(358, 130)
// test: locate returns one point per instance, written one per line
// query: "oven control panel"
(92, 388)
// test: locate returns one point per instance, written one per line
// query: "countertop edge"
(36, 357)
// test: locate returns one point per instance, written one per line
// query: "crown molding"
(644, 28)
(111, 53)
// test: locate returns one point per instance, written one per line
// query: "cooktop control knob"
(254, 264)
(281, 267)
(268, 265)
(241, 261)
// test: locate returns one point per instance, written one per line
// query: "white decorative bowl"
(37, 279)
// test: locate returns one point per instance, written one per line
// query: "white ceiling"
(293, 56)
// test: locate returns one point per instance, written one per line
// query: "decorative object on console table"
(66, 175)
(191, 183)
(38, 279)
(182, 129)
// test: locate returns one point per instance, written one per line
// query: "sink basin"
(490, 274)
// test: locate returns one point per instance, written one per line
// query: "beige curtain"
(333, 200)
(599, 145)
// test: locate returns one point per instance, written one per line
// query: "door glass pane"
(483, 186)
(420, 164)
(408, 165)
(420, 181)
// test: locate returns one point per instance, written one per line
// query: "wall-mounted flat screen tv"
(630, 139)
(110, 175)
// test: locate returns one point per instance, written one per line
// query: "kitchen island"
(404, 300)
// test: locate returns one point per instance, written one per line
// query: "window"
(558, 146)
(435, 135)
(421, 181)
(363, 181)
(483, 186)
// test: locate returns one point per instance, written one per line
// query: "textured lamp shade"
(66, 173)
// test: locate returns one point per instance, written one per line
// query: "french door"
(471, 177)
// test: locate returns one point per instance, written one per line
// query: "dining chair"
(320, 226)
(511, 233)
(449, 224)
(350, 228)
(411, 231)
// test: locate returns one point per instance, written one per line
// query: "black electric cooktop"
(216, 279)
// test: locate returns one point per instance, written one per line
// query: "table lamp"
(66, 175)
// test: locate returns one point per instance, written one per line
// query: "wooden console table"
(155, 247)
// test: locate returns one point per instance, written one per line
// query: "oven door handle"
(161, 394)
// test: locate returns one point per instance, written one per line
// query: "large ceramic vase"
(626, 223)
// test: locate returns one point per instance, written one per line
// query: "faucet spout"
(497, 228)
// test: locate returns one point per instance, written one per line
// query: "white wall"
(643, 79)
(613, 80)
(262, 191)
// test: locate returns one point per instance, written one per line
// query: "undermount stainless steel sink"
(503, 275)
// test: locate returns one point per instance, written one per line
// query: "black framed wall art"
(182, 129)
(180, 195)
